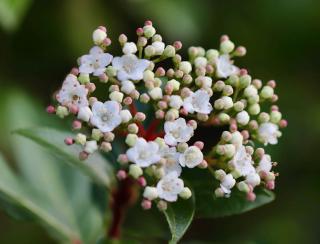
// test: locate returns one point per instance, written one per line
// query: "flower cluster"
(207, 90)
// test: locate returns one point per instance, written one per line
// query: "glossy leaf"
(179, 216)
(53, 140)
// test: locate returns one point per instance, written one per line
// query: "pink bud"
(183, 111)
(274, 98)
(160, 72)
(76, 125)
(142, 181)
(68, 141)
(270, 185)
(243, 72)
(168, 89)
(73, 109)
(127, 101)
(104, 29)
(193, 123)
(140, 116)
(50, 109)
(274, 108)
(199, 144)
(283, 123)
(74, 71)
(203, 164)
(159, 114)
(148, 22)
(245, 134)
(146, 204)
(224, 38)
(121, 175)
(209, 69)
(263, 174)
(107, 42)
(251, 196)
(123, 159)
(272, 83)
(162, 104)
(139, 31)
(233, 127)
(177, 45)
(83, 155)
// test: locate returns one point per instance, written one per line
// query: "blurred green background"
(41, 40)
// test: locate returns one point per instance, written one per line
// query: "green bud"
(233, 80)
(243, 187)
(212, 54)
(149, 31)
(169, 51)
(62, 112)
(254, 109)
(275, 117)
(96, 134)
(84, 78)
(226, 46)
(111, 71)
(135, 171)
(267, 92)
(244, 81)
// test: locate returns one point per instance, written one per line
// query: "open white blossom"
(268, 133)
(95, 62)
(172, 160)
(227, 183)
(242, 162)
(224, 66)
(169, 187)
(106, 116)
(265, 164)
(72, 93)
(129, 67)
(198, 101)
(144, 153)
(177, 131)
(191, 157)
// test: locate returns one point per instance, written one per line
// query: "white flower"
(191, 157)
(129, 48)
(177, 131)
(129, 67)
(106, 116)
(253, 179)
(172, 163)
(268, 133)
(243, 118)
(84, 114)
(169, 187)
(95, 62)
(227, 183)
(225, 67)
(127, 86)
(144, 153)
(198, 101)
(72, 93)
(159, 47)
(265, 164)
(175, 101)
(242, 162)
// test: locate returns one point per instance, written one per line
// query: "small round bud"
(135, 171)
(251, 196)
(267, 92)
(150, 193)
(108, 136)
(149, 31)
(219, 192)
(240, 51)
(263, 117)
(238, 106)
(68, 141)
(80, 139)
(146, 204)
(123, 159)
(121, 175)
(226, 136)
(98, 36)
(123, 39)
(156, 93)
(162, 205)
(185, 67)
(185, 193)
(169, 51)
(140, 117)
(76, 125)
(275, 117)
(90, 147)
(254, 109)
(50, 109)
(142, 181)
(243, 187)
(96, 134)
(83, 155)
(224, 118)
(125, 116)
(226, 46)
(272, 83)
(62, 112)
(106, 146)
(131, 139)
(244, 81)
(133, 128)
(177, 45)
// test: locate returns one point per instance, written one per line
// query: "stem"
(122, 197)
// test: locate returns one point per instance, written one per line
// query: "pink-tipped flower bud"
(274, 108)
(270, 185)
(170, 73)
(233, 127)
(127, 101)
(74, 71)
(148, 22)
(183, 111)
(168, 89)
(146, 204)
(142, 181)
(123, 39)
(103, 78)
(68, 141)
(199, 144)
(193, 124)
(139, 31)
(103, 28)
(160, 72)
(107, 42)
(274, 98)
(245, 134)
(76, 125)
(140, 116)
(159, 114)
(121, 175)
(162, 104)
(123, 159)
(203, 164)
(224, 38)
(251, 196)
(243, 72)
(50, 109)
(272, 83)
(177, 45)
(283, 123)
(73, 109)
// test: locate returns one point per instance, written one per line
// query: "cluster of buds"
(206, 90)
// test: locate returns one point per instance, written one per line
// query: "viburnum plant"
(147, 119)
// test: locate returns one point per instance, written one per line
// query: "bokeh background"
(40, 41)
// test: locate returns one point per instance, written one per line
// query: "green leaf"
(12, 12)
(209, 206)
(15, 193)
(53, 140)
(179, 216)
